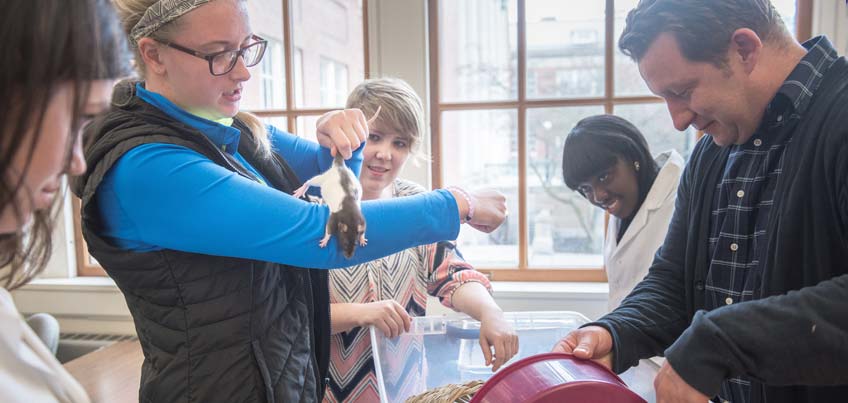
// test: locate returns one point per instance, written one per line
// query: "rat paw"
(324, 240)
(301, 190)
(363, 241)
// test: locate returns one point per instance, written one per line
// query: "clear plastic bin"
(440, 350)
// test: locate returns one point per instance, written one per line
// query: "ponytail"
(258, 131)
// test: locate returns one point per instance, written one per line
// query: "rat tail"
(338, 159)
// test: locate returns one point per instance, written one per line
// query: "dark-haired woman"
(607, 160)
(60, 59)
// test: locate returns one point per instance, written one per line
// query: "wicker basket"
(449, 393)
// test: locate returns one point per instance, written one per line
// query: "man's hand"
(589, 343)
(671, 388)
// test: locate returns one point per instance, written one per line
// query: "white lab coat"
(28, 371)
(627, 261)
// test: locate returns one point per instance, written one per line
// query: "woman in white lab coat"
(607, 160)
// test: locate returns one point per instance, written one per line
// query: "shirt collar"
(223, 136)
(797, 90)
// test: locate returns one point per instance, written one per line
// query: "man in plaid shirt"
(748, 296)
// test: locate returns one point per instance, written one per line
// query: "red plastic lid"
(555, 377)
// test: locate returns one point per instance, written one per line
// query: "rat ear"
(342, 227)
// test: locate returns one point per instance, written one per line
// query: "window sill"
(511, 288)
(589, 299)
(544, 289)
(92, 304)
(81, 304)
(78, 284)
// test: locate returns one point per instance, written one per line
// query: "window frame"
(292, 111)
(521, 105)
(86, 266)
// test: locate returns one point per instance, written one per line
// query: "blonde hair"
(130, 13)
(401, 108)
(258, 131)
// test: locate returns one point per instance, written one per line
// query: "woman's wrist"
(355, 311)
(464, 202)
(490, 313)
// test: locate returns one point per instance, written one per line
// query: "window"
(273, 76)
(515, 76)
(297, 81)
(321, 61)
(298, 76)
(334, 87)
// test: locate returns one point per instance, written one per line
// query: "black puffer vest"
(213, 329)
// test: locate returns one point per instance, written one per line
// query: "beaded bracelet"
(467, 198)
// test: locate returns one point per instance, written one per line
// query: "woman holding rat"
(187, 205)
(385, 292)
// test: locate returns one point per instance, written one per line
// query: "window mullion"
(523, 232)
(609, 55)
(287, 46)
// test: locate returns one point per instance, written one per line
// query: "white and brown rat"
(342, 192)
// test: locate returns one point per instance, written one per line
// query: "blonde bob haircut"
(401, 109)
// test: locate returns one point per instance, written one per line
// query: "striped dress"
(407, 277)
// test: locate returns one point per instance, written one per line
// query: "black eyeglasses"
(223, 62)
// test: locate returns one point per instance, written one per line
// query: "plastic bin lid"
(555, 377)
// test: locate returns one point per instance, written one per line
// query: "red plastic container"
(555, 378)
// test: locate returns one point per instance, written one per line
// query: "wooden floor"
(111, 374)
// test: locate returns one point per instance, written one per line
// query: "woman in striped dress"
(386, 292)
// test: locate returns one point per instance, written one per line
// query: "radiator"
(73, 345)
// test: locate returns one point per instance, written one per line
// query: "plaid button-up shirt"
(743, 199)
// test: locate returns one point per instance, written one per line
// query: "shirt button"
(734, 247)
(758, 142)
(699, 286)
(779, 118)
(740, 194)
(728, 301)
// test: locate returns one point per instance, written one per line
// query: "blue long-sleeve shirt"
(164, 196)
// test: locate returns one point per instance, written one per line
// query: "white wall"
(63, 261)
(82, 305)
(398, 48)
(830, 17)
